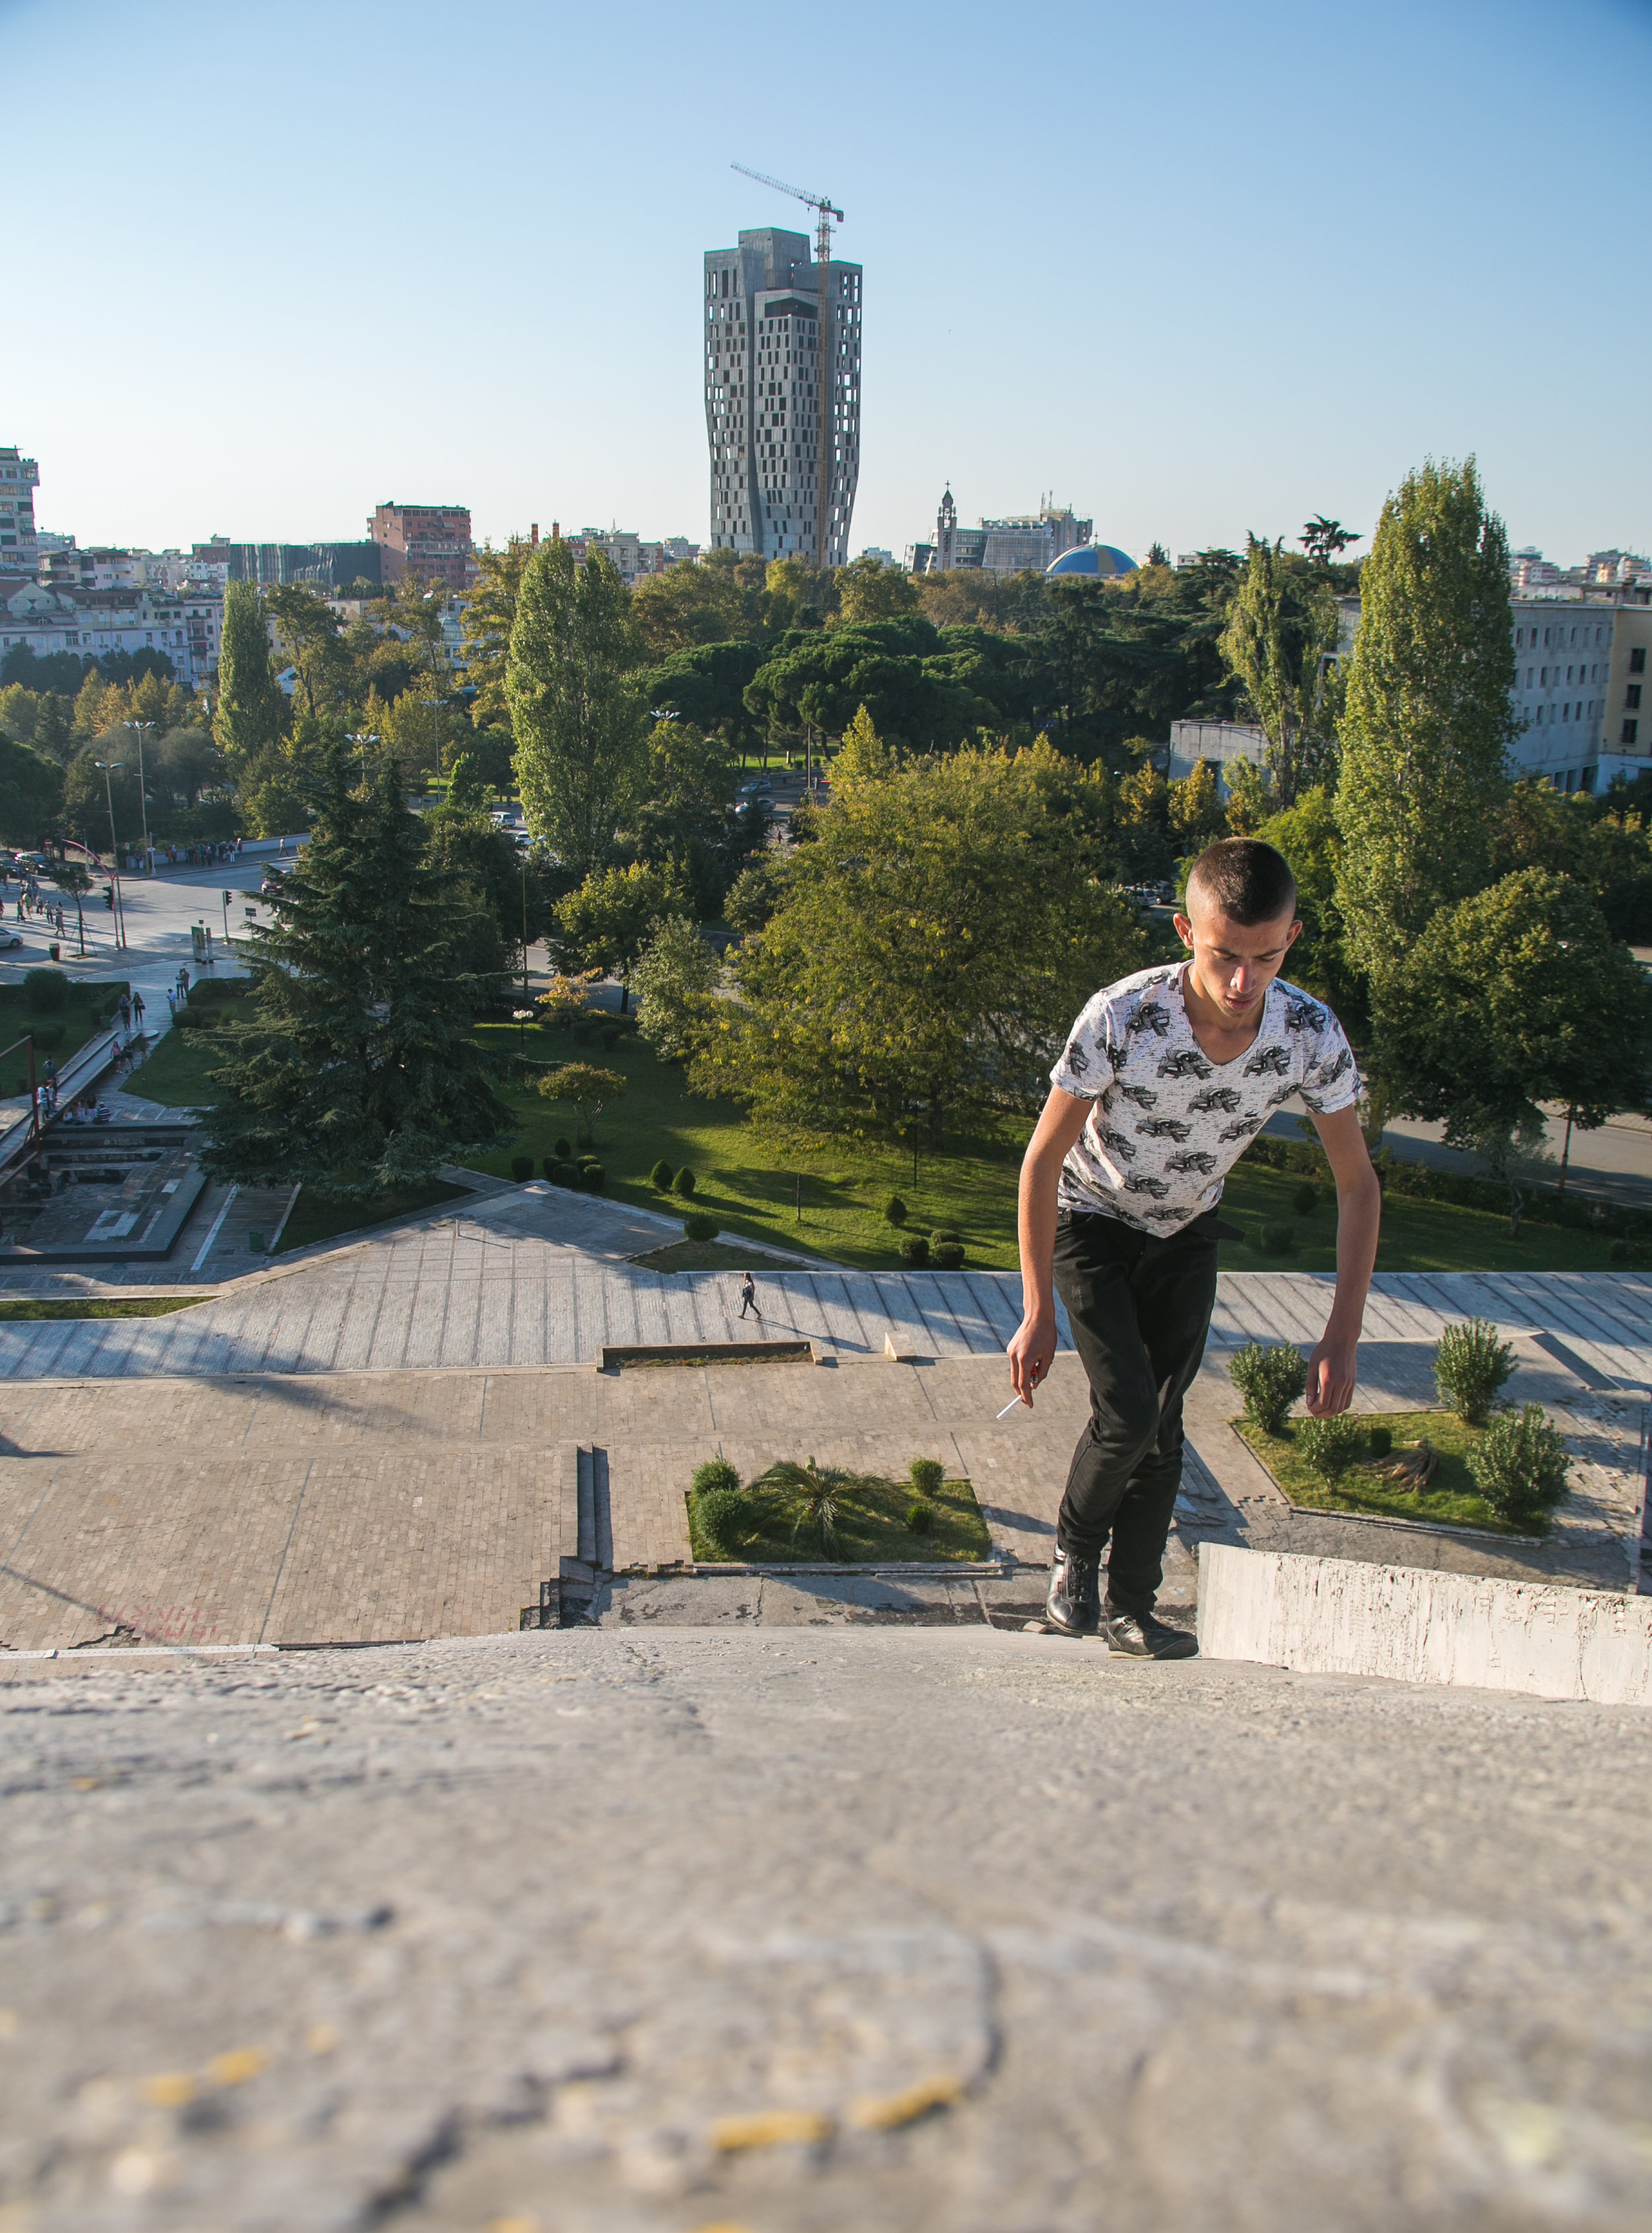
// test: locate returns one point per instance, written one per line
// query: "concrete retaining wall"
(1342, 1617)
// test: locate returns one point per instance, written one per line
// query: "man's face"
(1234, 962)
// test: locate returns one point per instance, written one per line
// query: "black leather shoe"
(1138, 1636)
(1074, 1605)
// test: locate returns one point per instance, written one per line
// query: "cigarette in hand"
(1009, 1406)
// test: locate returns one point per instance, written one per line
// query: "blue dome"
(1092, 562)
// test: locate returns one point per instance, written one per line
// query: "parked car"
(10, 940)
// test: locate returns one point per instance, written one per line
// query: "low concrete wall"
(1342, 1617)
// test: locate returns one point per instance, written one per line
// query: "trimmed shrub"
(549, 1166)
(521, 1168)
(561, 1150)
(944, 1233)
(725, 1516)
(564, 1174)
(49, 1038)
(1470, 1365)
(926, 1476)
(1330, 1445)
(611, 1037)
(1278, 1241)
(661, 1176)
(914, 1248)
(894, 1210)
(1305, 1200)
(920, 1518)
(946, 1255)
(591, 1177)
(1270, 1380)
(1520, 1466)
(684, 1184)
(196, 1019)
(698, 1226)
(716, 1473)
(45, 989)
(1380, 1442)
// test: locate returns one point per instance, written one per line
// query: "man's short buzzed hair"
(1247, 879)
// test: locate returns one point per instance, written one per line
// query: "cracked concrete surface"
(797, 1931)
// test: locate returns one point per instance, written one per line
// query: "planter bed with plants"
(804, 1514)
(1481, 1464)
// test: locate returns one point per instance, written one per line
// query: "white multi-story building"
(1026, 543)
(1580, 682)
(187, 628)
(19, 477)
(764, 378)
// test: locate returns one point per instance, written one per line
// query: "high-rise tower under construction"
(763, 382)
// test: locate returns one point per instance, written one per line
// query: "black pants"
(1140, 1309)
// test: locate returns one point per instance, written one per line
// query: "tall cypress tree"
(360, 1074)
(251, 710)
(1429, 716)
(578, 703)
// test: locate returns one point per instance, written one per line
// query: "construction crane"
(826, 355)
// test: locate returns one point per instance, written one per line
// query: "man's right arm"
(1034, 1343)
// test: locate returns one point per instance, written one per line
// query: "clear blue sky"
(1195, 267)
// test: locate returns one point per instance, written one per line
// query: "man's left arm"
(1332, 1368)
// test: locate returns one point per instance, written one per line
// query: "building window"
(1632, 699)
(1626, 735)
(1637, 660)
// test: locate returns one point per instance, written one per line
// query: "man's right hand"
(1032, 1348)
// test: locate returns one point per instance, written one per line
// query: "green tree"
(586, 1090)
(1324, 539)
(1308, 837)
(869, 590)
(251, 713)
(53, 728)
(1514, 998)
(606, 924)
(688, 605)
(483, 867)
(926, 958)
(359, 1074)
(1279, 641)
(1195, 808)
(1428, 720)
(675, 973)
(31, 794)
(578, 704)
(306, 630)
(488, 615)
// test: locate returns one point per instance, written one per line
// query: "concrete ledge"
(1411, 1625)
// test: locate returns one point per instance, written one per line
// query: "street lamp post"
(111, 768)
(138, 728)
(362, 738)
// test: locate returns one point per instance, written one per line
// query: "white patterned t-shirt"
(1168, 1124)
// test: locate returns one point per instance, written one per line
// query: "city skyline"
(1241, 270)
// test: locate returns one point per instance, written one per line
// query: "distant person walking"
(749, 1298)
(138, 1011)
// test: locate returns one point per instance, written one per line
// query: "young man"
(1167, 1078)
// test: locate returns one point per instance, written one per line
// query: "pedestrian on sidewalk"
(1167, 1078)
(49, 1075)
(126, 1013)
(749, 1298)
(138, 1012)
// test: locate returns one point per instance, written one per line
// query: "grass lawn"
(315, 1219)
(60, 1034)
(871, 1524)
(148, 1306)
(175, 1074)
(1451, 1499)
(748, 1186)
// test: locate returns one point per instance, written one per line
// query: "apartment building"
(19, 477)
(87, 621)
(430, 540)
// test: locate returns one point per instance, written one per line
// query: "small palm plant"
(816, 1492)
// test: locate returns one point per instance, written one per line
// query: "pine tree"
(578, 704)
(1279, 632)
(251, 710)
(360, 1074)
(1429, 718)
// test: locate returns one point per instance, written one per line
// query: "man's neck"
(1219, 1034)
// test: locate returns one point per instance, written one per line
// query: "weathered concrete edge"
(1413, 1624)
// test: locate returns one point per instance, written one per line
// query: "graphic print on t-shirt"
(1169, 1123)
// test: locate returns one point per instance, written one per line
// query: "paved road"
(603, 1933)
